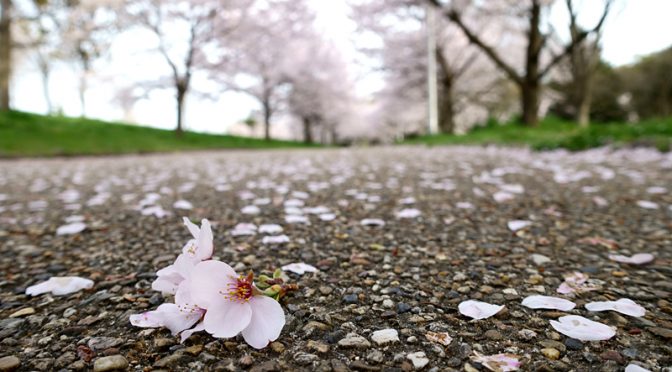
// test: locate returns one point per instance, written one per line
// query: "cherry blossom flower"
(582, 329)
(60, 285)
(636, 259)
(234, 305)
(196, 250)
(478, 310)
(498, 362)
(548, 302)
(623, 306)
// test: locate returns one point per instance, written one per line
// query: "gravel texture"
(384, 297)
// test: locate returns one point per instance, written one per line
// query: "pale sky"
(636, 28)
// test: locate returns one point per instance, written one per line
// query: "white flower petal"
(71, 228)
(516, 225)
(60, 285)
(623, 306)
(636, 259)
(299, 268)
(478, 310)
(548, 302)
(266, 323)
(582, 329)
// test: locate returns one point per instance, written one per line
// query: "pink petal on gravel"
(478, 310)
(582, 329)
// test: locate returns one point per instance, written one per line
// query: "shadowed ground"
(408, 275)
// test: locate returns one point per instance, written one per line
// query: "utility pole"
(432, 94)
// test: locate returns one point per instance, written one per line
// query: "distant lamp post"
(432, 95)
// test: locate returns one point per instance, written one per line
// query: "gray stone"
(110, 363)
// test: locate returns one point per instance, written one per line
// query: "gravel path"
(445, 239)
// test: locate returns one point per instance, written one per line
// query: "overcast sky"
(636, 28)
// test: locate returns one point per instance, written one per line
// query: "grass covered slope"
(553, 133)
(24, 134)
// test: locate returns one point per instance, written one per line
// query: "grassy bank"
(553, 133)
(23, 134)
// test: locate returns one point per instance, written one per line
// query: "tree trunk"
(531, 85)
(180, 110)
(5, 53)
(44, 71)
(307, 133)
(530, 92)
(584, 102)
(447, 106)
(267, 120)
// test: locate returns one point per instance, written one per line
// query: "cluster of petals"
(210, 296)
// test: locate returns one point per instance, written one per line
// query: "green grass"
(553, 133)
(24, 135)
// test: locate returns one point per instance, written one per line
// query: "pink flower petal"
(205, 245)
(636, 259)
(267, 322)
(210, 281)
(60, 285)
(582, 329)
(498, 362)
(478, 310)
(187, 333)
(548, 302)
(623, 306)
(175, 319)
(225, 318)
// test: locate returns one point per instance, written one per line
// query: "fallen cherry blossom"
(498, 362)
(516, 225)
(408, 213)
(442, 338)
(372, 222)
(244, 229)
(548, 302)
(270, 228)
(647, 204)
(582, 329)
(577, 283)
(275, 239)
(250, 209)
(60, 285)
(636, 259)
(635, 368)
(478, 310)
(598, 240)
(299, 268)
(71, 228)
(624, 306)
(182, 204)
(242, 308)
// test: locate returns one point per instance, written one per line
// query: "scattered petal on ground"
(548, 302)
(635, 259)
(516, 225)
(582, 329)
(498, 362)
(71, 228)
(60, 285)
(478, 310)
(299, 268)
(624, 306)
